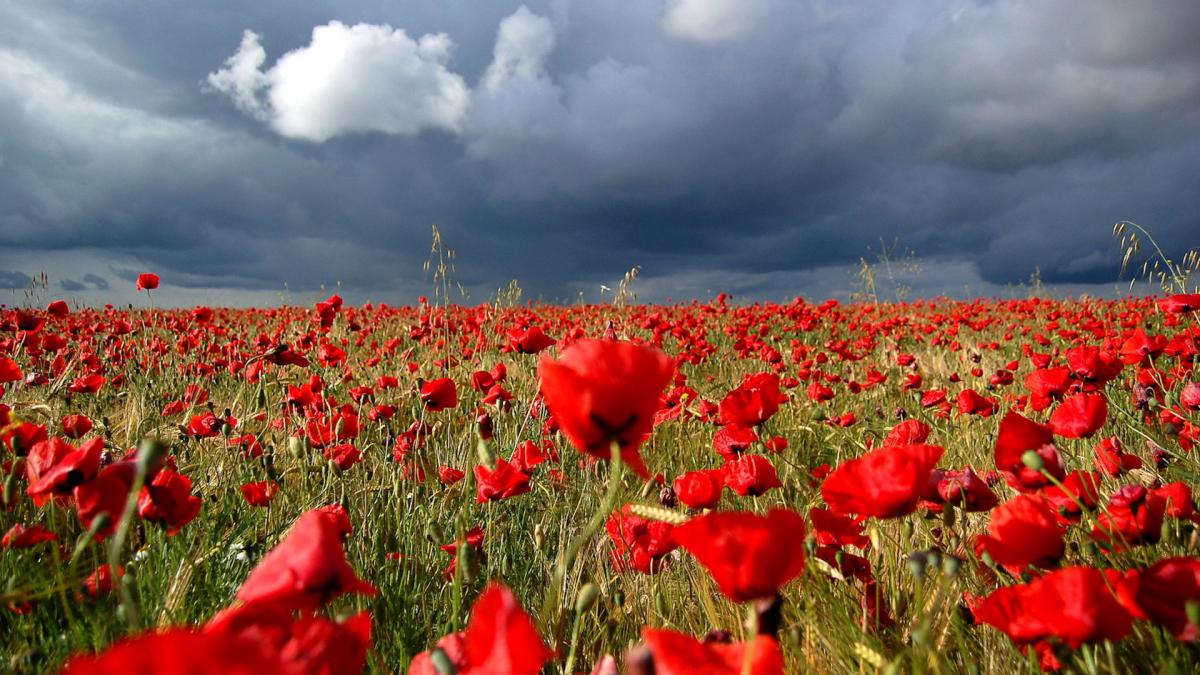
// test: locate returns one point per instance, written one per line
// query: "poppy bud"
(10, 488)
(916, 564)
(1032, 460)
(296, 447)
(441, 662)
(150, 454)
(666, 497)
(586, 597)
(950, 566)
(486, 456)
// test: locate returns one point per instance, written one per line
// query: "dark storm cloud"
(96, 281)
(759, 146)
(14, 280)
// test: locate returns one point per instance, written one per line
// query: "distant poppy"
(76, 426)
(751, 475)
(529, 340)
(167, 499)
(504, 481)
(260, 493)
(755, 401)
(450, 475)
(1018, 435)
(147, 281)
(883, 483)
(440, 394)
(1079, 416)
(700, 489)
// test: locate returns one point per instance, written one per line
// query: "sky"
(281, 150)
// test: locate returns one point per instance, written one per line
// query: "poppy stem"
(551, 614)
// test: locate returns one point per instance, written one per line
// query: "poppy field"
(935, 486)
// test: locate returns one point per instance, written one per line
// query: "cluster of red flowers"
(1059, 527)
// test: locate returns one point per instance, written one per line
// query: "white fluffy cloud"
(712, 21)
(361, 78)
(523, 42)
(516, 100)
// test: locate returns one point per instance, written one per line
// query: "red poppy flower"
(751, 475)
(167, 499)
(54, 467)
(1180, 303)
(500, 638)
(749, 556)
(180, 650)
(832, 529)
(908, 432)
(1016, 436)
(451, 645)
(19, 536)
(305, 570)
(527, 457)
(86, 384)
(1133, 516)
(970, 402)
(680, 654)
(147, 281)
(1079, 416)
(343, 456)
(529, 340)
(309, 644)
(76, 426)
(1079, 490)
(1074, 605)
(604, 392)
(752, 403)
(884, 483)
(1178, 499)
(450, 475)
(700, 489)
(730, 442)
(9, 370)
(58, 308)
(106, 495)
(1112, 460)
(260, 493)
(206, 425)
(962, 488)
(1023, 531)
(440, 394)
(1164, 591)
(502, 482)
(638, 543)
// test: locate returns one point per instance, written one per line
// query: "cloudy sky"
(276, 150)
